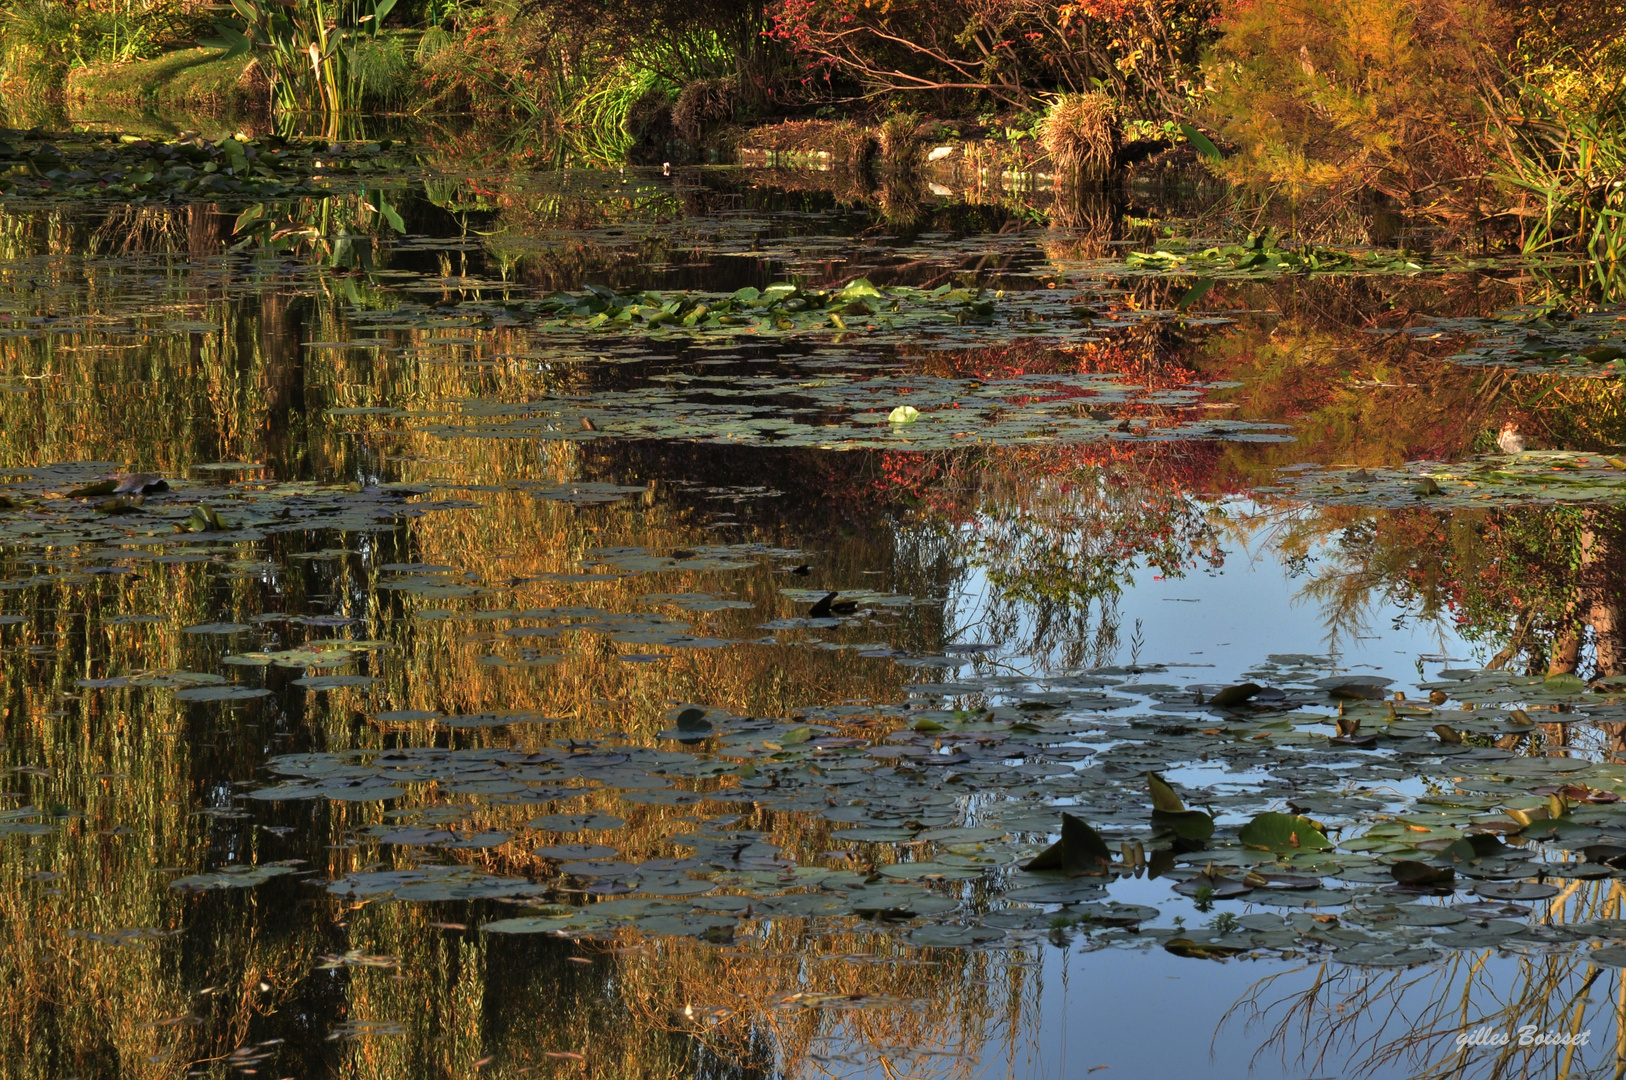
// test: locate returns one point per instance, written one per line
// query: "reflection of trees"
(1355, 1021)
(1537, 585)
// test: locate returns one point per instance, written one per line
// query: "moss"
(194, 78)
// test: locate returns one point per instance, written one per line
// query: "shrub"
(901, 140)
(1008, 50)
(1333, 97)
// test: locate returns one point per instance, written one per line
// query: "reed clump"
(1082, 134)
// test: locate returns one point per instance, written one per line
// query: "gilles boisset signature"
(1528, 1035)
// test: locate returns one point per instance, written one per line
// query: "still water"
(428, 653)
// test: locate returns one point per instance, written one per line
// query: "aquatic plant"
(318, 54)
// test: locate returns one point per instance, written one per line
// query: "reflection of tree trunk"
(1566, 648)
(1602, 585)
(282, 374)
(1515, 641)
(205, 230)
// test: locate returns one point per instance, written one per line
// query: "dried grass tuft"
(705, 102)
(901, 140)
(1082, 134)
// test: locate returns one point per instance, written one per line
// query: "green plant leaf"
(1284, 833)
(1194, 294)
(1200, 142)
(1187, 825)
(390, 215)
(1164, 798)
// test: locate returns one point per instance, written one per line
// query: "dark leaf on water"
(693, 720)
(1192, 950)
(1079, 851)
(1420, 875)
(1232, 696)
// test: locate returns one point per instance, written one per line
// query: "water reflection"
(138, 337)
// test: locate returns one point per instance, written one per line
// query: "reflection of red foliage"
(940, 479)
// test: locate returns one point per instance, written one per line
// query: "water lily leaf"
(953, 937)
(1232, 696)
(333, 682)
(1516, 890)
(1420, 875)
(1192, 950)
(234, 877)
(1284, 833)
(231, 692)
(1190, 825)
(1164, 797)
(1079, 851)
(693, 720)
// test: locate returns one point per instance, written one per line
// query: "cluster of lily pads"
(873, 409)
(37, 164)
(95, 503)
(1531, 477)
(993, 808)
(1260, 254)
(890, 314)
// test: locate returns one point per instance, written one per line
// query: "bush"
(1336, 97)
(902, 141)
(41, 40)
(1008, 50)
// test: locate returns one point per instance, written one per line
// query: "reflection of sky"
(1152, 1014)
(1234, 617)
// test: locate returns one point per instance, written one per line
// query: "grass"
(194, 78)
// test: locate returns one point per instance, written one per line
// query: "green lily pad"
(1284, 834)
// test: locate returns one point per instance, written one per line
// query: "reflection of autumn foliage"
(1062, 526)
(1520, 580)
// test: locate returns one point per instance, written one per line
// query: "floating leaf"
(1079, 851)
(1284, 834)
(1419, 875)
(1232, 696)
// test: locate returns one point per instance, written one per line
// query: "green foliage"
(1571, 157)
(317, 53)
(41, 40)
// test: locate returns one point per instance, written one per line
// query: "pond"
(736, 623)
